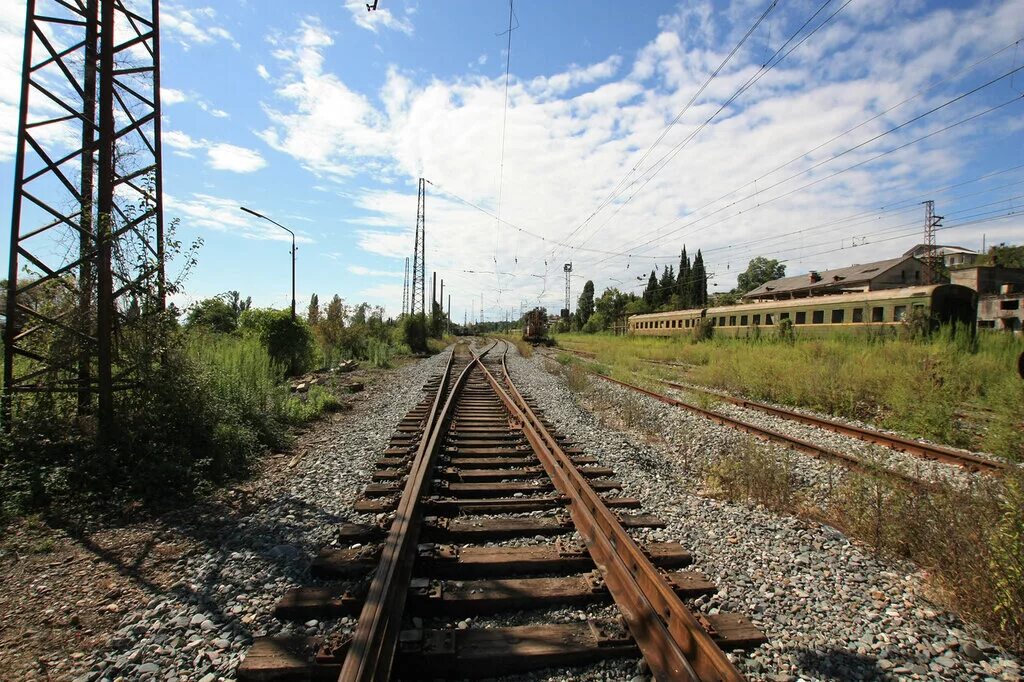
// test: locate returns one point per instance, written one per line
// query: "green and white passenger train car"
(820, 315)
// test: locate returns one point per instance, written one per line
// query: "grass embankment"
(970, 541)
(947, 389)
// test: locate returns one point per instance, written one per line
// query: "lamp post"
(260, 215)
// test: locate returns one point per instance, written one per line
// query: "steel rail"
(890, 440)
(675, 644)
(372, 652)
(917, 448)
(798, 444)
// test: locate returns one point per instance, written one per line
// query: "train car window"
(757, 319)
(743, 320)
(721, 322)
(817, 317)
(801, 317)
(769, 318)
(878, 314)
(783, 316)
(732, 320)
(899, 313)
(858, 315)
(838, 315)
(1010, 304)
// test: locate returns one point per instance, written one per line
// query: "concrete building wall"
(988, 279)
(910, 273)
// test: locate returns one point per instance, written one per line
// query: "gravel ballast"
(831, 609)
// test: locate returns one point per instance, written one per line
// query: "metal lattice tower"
(419, 254)
(567, 269)
(87, 217)
(931, 260)
(405, 288)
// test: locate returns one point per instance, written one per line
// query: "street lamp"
(260, 215)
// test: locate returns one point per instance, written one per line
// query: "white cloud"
(170, 96)
(379, 18)
(224, 215)
(368, 272)
(229, 157)
(262, 71)
(193, 26)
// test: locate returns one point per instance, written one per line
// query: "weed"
(754, 475)
(576, 377)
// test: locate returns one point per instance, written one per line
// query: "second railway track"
(472, 475)
(918, 448)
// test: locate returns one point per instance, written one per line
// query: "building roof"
(830, 279)
(940, 250)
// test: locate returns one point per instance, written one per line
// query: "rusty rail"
(914, 447)
(371, 655)
(847, 460)
(917, 448)
(672, 639)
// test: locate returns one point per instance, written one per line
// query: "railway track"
(474, 476)
(929, 451)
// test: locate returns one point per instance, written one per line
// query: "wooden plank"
(321, 603)
(499, 651)
(478, 530)
(448, 561)
(734, 631)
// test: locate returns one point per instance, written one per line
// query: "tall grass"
(953, 388)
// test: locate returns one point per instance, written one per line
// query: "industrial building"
(884, 274)
(1000, 294)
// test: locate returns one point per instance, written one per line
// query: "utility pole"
(405, 289)
(260, 215)
(448, 318)
(440, 305)
(931, 260)
(419, 253)
(433, 301)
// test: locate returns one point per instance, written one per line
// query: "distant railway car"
(535, 326)
(820, 315)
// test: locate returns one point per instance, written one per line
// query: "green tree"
(699, 278)
(214, 314)
(288, 340)
(313, 313)
(238, 306)
(1006, 256)
(684, 283)
(651, 292)
(759, 270)
(332, 326)
(585, 304)
(666, 285)
(612, 306)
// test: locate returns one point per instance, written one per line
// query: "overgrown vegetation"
(952, 387)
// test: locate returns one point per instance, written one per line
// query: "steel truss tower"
(418, 294)
(567, 269)
(87, 254)
(931, 259)
(405, 289)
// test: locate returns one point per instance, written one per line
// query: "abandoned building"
(884, 274)
(1000, 294)
(952, 256)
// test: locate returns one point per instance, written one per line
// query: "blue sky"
(323, 116)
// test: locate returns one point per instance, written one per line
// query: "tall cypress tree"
(683, 284)
(700, 282)
(651, 292)
(666, 285)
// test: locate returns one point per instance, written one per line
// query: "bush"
(288, 340)
(785, 332)
(414, 333)
(704, 330)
